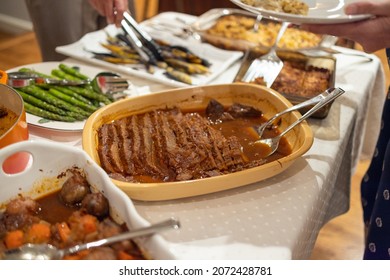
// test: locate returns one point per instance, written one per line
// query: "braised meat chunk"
(166, 145)
(171, 145)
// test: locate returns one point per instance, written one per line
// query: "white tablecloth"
(278, 218)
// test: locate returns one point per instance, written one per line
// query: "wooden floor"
(340, 239)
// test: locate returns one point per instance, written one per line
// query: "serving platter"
(320, 12)
(46, 68)
(220, 59)
(261, 98)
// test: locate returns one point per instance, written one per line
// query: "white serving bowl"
(48, 160)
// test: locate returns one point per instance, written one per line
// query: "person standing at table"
(373, 34)
(61, 22)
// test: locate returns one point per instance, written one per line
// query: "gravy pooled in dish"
(7, 119)
(171, 145)
(67, 217)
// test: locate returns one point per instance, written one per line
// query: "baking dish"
(259, 97)
(315, 63)
(232, 29)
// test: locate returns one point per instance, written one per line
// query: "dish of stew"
(72, 215)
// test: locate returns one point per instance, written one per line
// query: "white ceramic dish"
(45, 68)
(220, 59)
(320, 12)
(49, 159)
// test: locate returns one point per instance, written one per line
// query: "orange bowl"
(18, 130)
(262, 98)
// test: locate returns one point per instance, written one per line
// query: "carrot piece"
(64, 231)
(89, 223)
(14, 239)
(77, 256)
(38, 233)
(122, 255)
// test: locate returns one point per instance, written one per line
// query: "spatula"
(269, 65)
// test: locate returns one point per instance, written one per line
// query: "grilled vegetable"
(190, 68)
(123, 51)
(178, 76)
(117, 60)
(188, 55)
(176, 58)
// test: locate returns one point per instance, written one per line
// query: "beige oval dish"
(265, 99)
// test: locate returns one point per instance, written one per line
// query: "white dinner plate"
(320, 12)
(46, 68)
(220, 59)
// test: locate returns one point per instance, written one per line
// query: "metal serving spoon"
(273, 143)
(49, 252)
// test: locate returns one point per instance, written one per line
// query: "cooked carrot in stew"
(64, 218)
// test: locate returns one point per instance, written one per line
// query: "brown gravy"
(242, 128)
(7, 119)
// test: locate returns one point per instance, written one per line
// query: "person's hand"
(373, 33)
(111, 9)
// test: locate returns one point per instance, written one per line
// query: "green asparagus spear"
(91, 94)
(46, 96)
(72, 100)
(47, 106)
(67, 91)
(73, 71)
(29, 70)
(63, 75)
(46, 114)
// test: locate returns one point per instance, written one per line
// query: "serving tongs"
(133, 41)
(23, 79)
(141, 41)
(104, 82)
(150, 44)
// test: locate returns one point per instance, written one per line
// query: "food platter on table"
(320, 12)
(46, 68)
(91, 44)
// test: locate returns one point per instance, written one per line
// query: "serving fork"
(325, 47)
(268, 65)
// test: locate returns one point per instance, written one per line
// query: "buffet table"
(278, 218)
